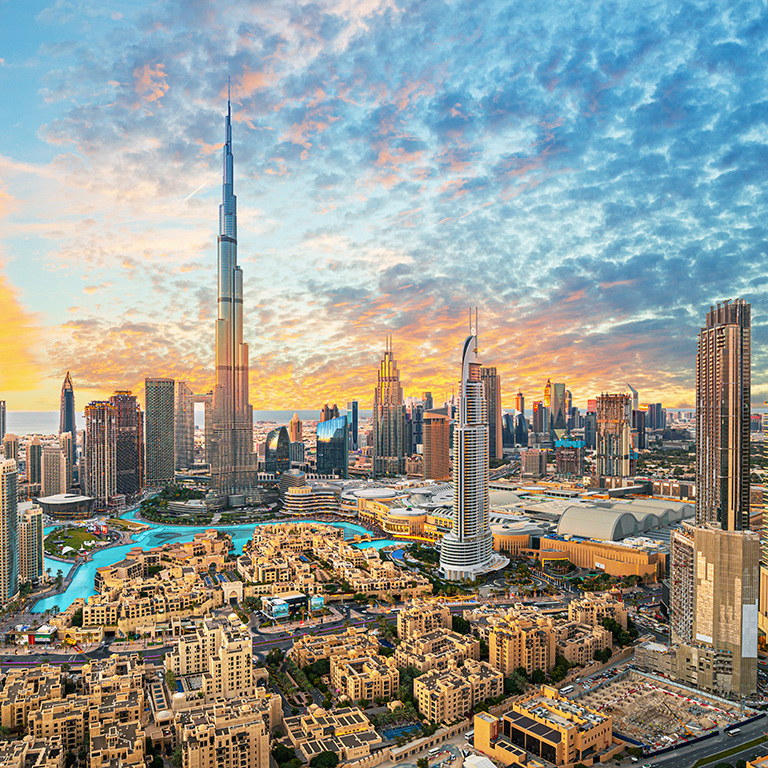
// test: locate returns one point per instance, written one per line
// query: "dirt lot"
(660, 716)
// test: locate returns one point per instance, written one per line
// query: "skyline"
(599, 177)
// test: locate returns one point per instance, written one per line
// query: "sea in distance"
(47, 422)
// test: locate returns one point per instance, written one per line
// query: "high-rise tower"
(130, 443)
(2, 419)
(388, 418)
(467, 551)
(9, 531)
(160, 400)
(295, 429)
(492, 383)
(100, 455)
(723, 366)
(232, 460)
(67, 415)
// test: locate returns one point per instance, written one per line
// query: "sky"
(589, 175)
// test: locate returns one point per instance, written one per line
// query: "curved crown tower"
(232, 463)
(467, 551)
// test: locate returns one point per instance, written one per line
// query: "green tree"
(422, 762)
(461, 625)
(5, 733)
(170, 680)
(538, 677)
(324, 760)
(283, 754)
(177, 758)
(157, 762)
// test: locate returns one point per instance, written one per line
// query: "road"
(685, 757)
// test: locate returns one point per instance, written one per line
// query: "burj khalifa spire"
(232, 459)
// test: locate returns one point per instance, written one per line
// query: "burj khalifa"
(232, 460)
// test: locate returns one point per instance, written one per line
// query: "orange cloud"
(19, 338)
(150, 83)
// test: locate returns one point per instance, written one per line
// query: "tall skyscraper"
(67, 415)
(437, 437)
(615, 456)
(160, 400)
(428, 400)
(232, 461)
(100, 455)
(9, 531)
(328, 412)
(184, 426)
(520, 402)
(54, 471)
(31, 545)
(558, 411)
(723, 391)
(277, 451)
(295, 429)
(67, 440)
(467, 551)
(2, 419)
(388, 418)
(34, 461)
(332, 447)
(11, 447)
(129, 423)
(548, 395)
(492, 383)
(352, 416)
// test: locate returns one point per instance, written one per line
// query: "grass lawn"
(125, 525)
(56, 541)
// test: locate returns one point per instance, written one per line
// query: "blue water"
(398, 730)
(82, 583)
(376, 544)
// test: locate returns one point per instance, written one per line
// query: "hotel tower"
(232, 461)
(466, 552)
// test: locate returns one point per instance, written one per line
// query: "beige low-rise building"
(578, 643)
(308, 649)
(346, 732)
(438, 649)
(594, 609)
(444, 696)
(365, 677)
(421, 616)
(522, 640)
(24, 690)
(116, 744)
(225, 734)
(29, 753)
(221, 650)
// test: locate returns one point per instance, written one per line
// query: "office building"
(547, 400)
(353, 419)
(492, 383)
(3, 419)
(67, 443)
(100, 455)
(508, 430)
(297, 452)
(328, 412)
(414, 427)
(184, 426)
(34, 461)
(54, 471)
(295, 429)
(160, 402)
(233, 464)
(723, 364)
(533, 463)
(388, 418)
(467, 550)
(332, 447)
(437, 438)
(129, 425)
(428, 400)
(11, 447)
(9, 531)
(31, 545)
(570, 457)
(615, 454)
(67, 415)
(520, 402)
(590, 430)
(277, 452)
(540, 418)
(558, 410)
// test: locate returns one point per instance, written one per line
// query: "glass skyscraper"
(67, 415)
(277, 453)
(332, 442)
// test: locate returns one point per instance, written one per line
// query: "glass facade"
(277, 455)
(332, 441)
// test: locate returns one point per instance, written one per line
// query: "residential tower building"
(100, 455)
(332, 447)
(437, 439)
(9, 531)
(160, 400)
(129, 426)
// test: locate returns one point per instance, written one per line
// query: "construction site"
(658, 713)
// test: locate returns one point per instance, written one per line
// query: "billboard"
(276, 608)
(316, 603)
